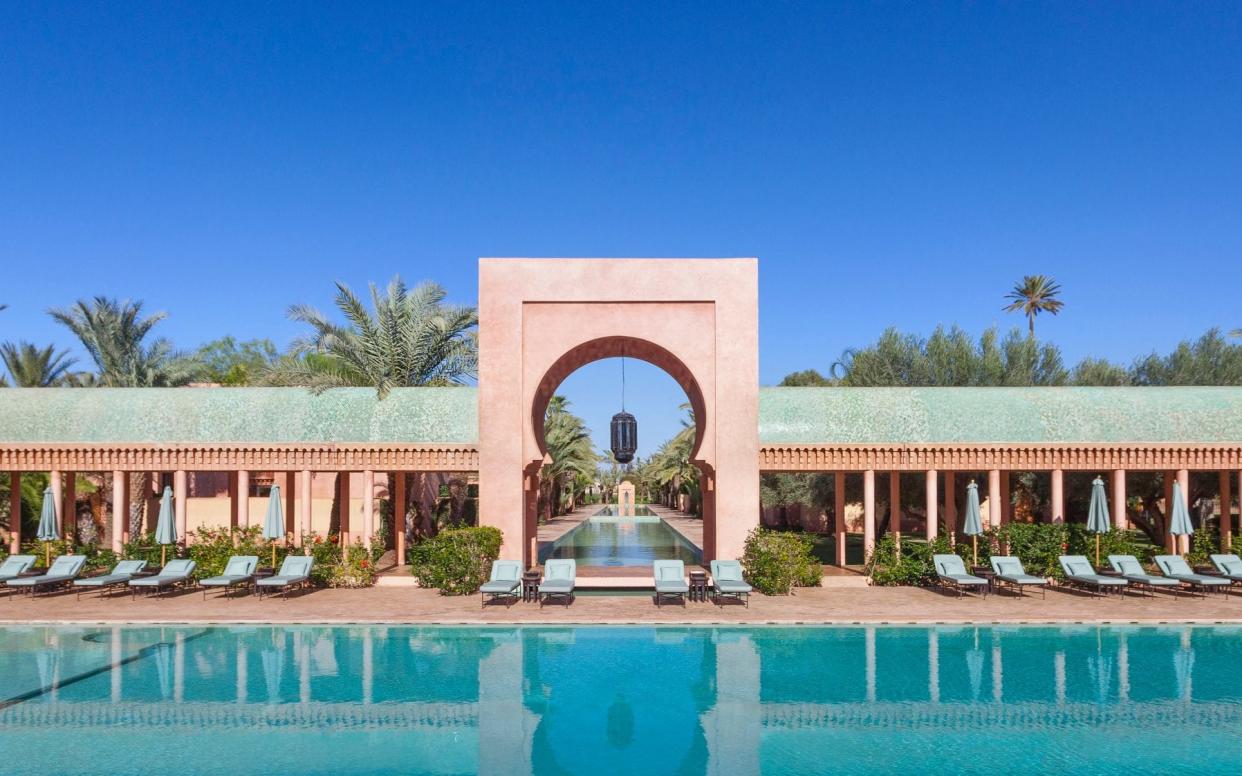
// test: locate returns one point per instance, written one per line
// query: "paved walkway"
(818, 605)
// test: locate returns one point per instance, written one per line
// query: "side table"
(698, 586)
(530, 586)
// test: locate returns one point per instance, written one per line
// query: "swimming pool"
(738, 700)
(603, 540)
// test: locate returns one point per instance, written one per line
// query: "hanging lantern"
(624, 437)
(624, 428)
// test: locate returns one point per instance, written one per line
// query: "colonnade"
(999, 507)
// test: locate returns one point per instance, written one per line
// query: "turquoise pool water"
(623, 700)
(602, 540)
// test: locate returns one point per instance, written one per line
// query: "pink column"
(894, 505)
(838, 513)
(1006, 504)
(291, 514)
(368, 507)
(868, 512)
(1120, 522)
(119, 510)
(15, 512)
(243, 499)
(932, 506)
(994, 498)
(1226, 507)
(1058, 496)
(180, 494)
(57, 484)
(1170, 545)
(398, 522)
(1183, 478)
(950, 505)
(304, 505)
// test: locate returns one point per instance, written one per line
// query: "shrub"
(212, 547)
(775, 562)
(913, 566)
(457, 561)
(97, 558)
(144, 547)
(1203, 543)
(355, 569)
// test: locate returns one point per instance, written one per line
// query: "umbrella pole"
(163, 555)
(1097, 551)
(974, 548)
(273, 556)
(47, 555)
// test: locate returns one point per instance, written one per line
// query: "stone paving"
(817, 605)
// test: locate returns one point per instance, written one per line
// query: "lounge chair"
(238, 572)
(1009, 571)
(120, 575)
(294, 573)
(559, 575)
(1080, 573)
(670, 580)
(62, 572)
(1133, 572)
(14, 566)
(175, 572)
(951, 573)
(1229, 566)
(727, 582)
(506, 582)
(1176, 567)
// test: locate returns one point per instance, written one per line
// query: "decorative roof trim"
(228, 457)
(979, 457)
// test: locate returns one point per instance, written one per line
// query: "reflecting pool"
(602, 540)
(603, 700)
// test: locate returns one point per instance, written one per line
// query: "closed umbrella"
(165, 526)
(49, 530)
(1097, 515)
(973, 525)
(274, 523)
(1180, 524)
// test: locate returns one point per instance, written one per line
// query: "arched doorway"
(541, 319)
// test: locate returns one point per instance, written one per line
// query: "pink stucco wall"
(696, 318)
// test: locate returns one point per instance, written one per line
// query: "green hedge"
(775, 562)
(1038, 545)
(456, 561)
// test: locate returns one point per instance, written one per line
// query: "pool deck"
(809, 606)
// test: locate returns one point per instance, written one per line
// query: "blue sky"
(894, 164)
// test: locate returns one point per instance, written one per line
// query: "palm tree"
(32, 367)
(114, 334)
(570, 453)
(1034, 295)
(672, 469)
(412, 338)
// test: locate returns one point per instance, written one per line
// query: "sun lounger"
(1009, 571)
(559, 575)
(506, 582)
(175, 572)
(294, 573)
(1133, 572)
(1176, 567)
(121, 574)
(14, 566)
(727, 582)
(1080, 573)
(670, 580)
(951, 573)
(1229, 566)
(238, 572)
(62, 572)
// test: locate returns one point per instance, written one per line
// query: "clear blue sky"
(896, 164)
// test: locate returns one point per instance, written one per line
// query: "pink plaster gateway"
(540, 319)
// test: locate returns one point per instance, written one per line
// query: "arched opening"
(657, 525)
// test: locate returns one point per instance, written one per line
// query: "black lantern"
(624, 428)
(624, 437)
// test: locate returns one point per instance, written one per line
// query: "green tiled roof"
(274, 415)
(786, 415)
(1030, 415)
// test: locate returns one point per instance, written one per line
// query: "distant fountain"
(625, 499)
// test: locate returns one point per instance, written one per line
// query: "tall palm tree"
(114, 334)
(412, 338)
(1034, 295)
(32, 367)
(570, 453)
